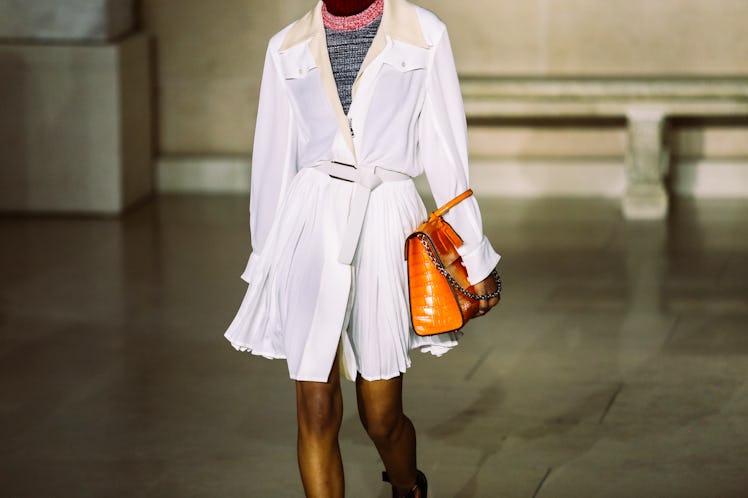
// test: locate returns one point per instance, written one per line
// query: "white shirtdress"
(303, 303)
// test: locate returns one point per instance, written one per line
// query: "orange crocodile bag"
(441, 297)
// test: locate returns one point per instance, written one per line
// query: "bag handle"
(449, 205)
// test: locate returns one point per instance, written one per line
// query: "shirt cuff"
(251, 268)
(479, 259)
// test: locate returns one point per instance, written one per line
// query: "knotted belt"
(366, 179)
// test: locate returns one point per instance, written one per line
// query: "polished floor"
(615, 366)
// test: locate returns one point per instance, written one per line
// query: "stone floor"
(615, 366)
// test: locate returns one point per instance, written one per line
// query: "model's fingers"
(484, 306)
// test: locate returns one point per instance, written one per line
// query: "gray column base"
(645, 202)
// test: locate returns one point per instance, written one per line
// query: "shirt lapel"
(311, 28)
(399, 21)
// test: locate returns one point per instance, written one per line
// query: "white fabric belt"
(366, 178)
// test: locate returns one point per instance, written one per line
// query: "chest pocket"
(397, 96)
(302, 79)
(402, 76)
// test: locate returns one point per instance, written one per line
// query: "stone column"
(647, 160)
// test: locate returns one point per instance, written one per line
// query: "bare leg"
(380, 408)
(319, 407)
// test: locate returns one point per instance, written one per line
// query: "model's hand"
(486, 286)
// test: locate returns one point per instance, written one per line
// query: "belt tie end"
(366, 179)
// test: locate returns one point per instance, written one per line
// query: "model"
(357, 98)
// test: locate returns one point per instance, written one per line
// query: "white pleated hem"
(385, 376)
(248, 349)
(435, 350)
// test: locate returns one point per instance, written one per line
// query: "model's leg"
(380, 408)
(319, 408)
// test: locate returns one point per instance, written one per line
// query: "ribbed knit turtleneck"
(356, 21)
(348, 41)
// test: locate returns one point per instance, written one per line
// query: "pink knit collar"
(356, 21)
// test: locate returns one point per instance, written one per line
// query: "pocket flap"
(406, 57)
(296, 62)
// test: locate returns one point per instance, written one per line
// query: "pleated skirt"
(301, 304)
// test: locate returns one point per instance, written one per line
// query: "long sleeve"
(274, 156)
(442, 149)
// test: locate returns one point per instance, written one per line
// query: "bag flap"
(444, 239)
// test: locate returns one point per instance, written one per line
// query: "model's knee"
(319, 413)
(385, 427)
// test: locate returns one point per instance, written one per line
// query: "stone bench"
(647, 105)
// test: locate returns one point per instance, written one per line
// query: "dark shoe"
(421, 484)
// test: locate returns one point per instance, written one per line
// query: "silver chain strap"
(424, 239)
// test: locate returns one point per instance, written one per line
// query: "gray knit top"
(347, 51)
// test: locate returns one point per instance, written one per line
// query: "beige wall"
(209, 59)
(553, 37)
